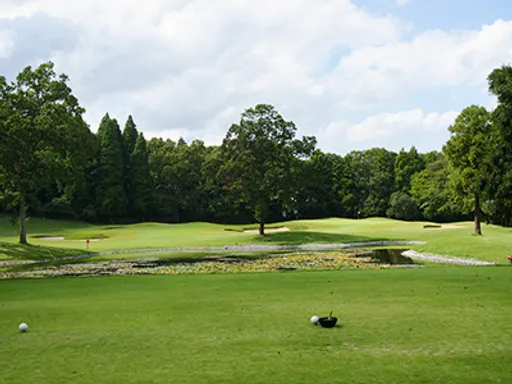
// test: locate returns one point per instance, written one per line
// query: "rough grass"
(459, 242)
(438, 325)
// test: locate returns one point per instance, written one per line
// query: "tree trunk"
(262, 226)
(261, 210)
(478, 229)
(23, 230)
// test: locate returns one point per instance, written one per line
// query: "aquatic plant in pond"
(288, 262)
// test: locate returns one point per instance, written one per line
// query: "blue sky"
(442, 14)
(355, 73)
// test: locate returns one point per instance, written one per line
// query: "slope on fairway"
(446, 325)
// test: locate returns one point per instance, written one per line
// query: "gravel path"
(443, 259)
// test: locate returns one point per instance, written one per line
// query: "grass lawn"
(458, 241)
(434, 325)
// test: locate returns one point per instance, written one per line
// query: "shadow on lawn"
(303, 237)
(36, 252)
(39, 225)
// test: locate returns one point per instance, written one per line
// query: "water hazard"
(390, 256)
(319, 260)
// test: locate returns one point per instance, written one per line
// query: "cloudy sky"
(355, 73)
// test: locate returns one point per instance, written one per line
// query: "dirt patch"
(267, 230)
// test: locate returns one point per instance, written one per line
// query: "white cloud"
(387, 125)
(172, 134)
(395, 130)
(401, 3)
(191, 67)
(6, 43)
(432, 59)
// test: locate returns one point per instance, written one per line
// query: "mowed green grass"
(434, 325)
(493, 246)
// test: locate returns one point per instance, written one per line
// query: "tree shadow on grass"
(36, 252)
(39, 225)
(304, 237)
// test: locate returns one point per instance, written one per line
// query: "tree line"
(52, 165)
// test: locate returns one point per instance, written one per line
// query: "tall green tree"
(160, 169)
(402, 206)
(500, 85)
(223, 204)
(324, 188)
(316, 194)
(469, 152)
(110, 190)
(406, 165)
(359, 185)
(431, 191)
(259, 155)
(130, 137)
(42, 131)
(381, 164)
(141, 183)
(187, 179)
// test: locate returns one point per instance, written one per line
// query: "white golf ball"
(23, 327)
(314, 319)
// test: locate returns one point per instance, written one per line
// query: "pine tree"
(130, 135)
(103, 126)
(141, 181)
(110, 193)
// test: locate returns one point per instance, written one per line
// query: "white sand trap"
(446, 226)
(91, 240)
(60, 238)
(269, 230)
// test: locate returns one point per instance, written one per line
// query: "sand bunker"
(445, 226)
(91, 239)
(268, 230)
(60, 238)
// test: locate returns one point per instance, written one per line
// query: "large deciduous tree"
(259, 159)
(431, 191)
(407, 164)
(469, 151)
(382, 168)
(41, 130)
(500, 85)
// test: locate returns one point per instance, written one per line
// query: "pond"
(390, 256)
(324, 260)
(378, 256)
